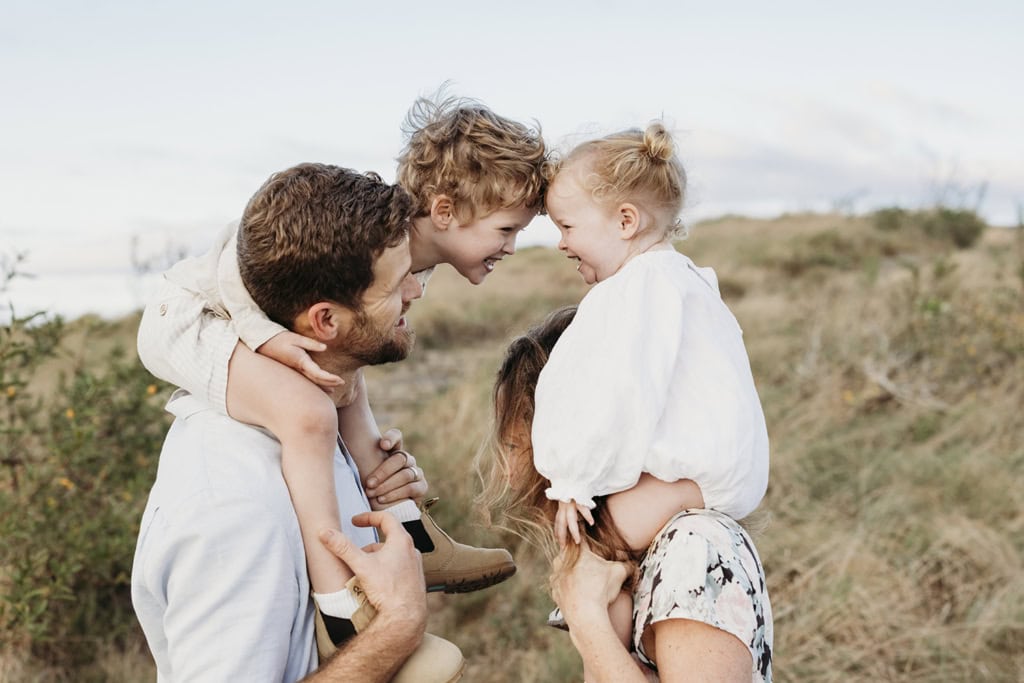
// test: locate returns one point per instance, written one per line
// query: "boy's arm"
(183, 342)
(253, 326)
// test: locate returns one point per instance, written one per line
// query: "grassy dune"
(891, 368)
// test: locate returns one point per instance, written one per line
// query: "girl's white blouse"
(652, 376)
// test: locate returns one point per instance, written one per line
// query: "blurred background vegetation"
(888, 354)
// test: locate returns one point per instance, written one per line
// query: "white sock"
(341, 604)
(406, 511)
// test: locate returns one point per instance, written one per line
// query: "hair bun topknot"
(658, 142)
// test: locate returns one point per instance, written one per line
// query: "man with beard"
(219, 582)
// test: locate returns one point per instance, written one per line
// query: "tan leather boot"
(453, 567)
(435, 661)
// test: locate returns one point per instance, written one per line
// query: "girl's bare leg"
(641, 511)
(268, 394)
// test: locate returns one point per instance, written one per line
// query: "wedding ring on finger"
(408, 457)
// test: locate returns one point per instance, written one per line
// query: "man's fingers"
(391, 465)
(339, 544)
(391, 439)
(381, 519)
(415, 490)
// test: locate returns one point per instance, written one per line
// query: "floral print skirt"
(703, 566)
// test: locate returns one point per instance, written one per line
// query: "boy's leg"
(641, 511)
(268, 394)
(447, 564)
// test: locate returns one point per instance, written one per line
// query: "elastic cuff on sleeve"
(566, 494)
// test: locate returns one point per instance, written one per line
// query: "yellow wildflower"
(66, 483)
(848, 397)
(151, 389)
(70, 413)
(11, 391)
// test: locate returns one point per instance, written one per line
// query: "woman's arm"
(695, 652)
(685, 650)
(584, 593)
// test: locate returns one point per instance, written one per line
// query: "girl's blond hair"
(513, 495)
(638, 166)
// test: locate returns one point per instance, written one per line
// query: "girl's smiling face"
(591, 233)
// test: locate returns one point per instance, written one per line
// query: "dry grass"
(892, 377)
(894, 550)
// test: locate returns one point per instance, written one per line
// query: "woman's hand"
(567, 522)
(586, 590)
(584, 593)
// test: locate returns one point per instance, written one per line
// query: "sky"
(151, 123)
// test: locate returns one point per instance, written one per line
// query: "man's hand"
(567, 523)
(391, 573)
(398, 476)
(293, 349)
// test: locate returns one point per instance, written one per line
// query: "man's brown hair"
(313, 232)
(460, 148)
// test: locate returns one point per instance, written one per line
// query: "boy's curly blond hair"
(484, 162)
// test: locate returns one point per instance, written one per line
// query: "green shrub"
(962, 227)
(889, 219)
(76, 468)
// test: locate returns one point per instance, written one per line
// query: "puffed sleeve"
(253, 326)
(604, 388)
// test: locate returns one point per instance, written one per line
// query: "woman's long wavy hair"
(513, 491)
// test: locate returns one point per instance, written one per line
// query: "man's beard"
(373, 346)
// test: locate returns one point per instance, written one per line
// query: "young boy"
(475, 181)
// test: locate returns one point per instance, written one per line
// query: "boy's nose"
(411, 288)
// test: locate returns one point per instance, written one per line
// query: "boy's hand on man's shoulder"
(291, 349)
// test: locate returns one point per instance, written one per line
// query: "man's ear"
(442, 211)
(629, 221)
(324, 320)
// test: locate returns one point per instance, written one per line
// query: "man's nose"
(411, 288)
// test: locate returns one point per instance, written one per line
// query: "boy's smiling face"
(473, 249)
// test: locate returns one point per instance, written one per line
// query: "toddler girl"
(647, 397)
